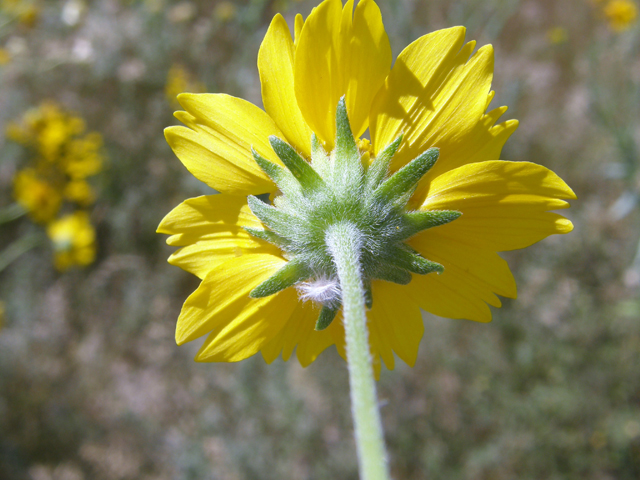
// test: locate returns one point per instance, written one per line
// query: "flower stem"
(344, 242)
(19, 247)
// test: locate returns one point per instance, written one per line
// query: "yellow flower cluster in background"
(179, 80)
(62, 156)
(620, 14)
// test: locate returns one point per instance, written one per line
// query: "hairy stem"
(344, 242)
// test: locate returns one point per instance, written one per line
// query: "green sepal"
(406, 258)
(319, 157)
(391, 273)
(298, 166)
(276, 219)
(281, 177)
(347, 169)
(380, 166)
(292, 273)
(415, 222)
(327, 315)
(405, 179)
(267, 236)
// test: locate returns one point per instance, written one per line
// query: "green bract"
(334, 189)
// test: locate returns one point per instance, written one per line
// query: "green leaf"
(292, 273)
(11, 212)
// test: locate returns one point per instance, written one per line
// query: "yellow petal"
(312, 343)
(216, 148)
(317, 69)
(299, 333)
(250, 331)
(399, 319)
(437, 96)
(223, 296)
(340, 53)
(504, 205)
(275, 64)
(365, 57)
(471, 278)
(447, 297)
(379, 339)
(211, 231)
(299, 22)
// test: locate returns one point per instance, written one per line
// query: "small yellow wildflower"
(268, 280)
(73, 240)
(26, 11)
(83, 157)
(2, 314)
(5, 56)
(37, 196)
(621, 14)
(224, 12)
(557, 35)
(178, 81)
(29, 16)
(46, 129)
(80, 192)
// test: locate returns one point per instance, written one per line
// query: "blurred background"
(92, 385)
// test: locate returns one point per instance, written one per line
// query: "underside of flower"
(342, 188)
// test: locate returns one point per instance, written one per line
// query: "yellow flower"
(37, 196)
(73, 240)
(27, 12)
(224, 11)
(436, 95)
(557, 35)
(621, 14)
(2, 311)
(80, 192)
(5, 56)
(83, 157)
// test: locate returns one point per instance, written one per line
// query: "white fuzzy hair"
(321, 290)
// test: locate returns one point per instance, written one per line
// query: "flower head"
(621, 14)
(427, 200)
(73, 239)
(37, 196)
(557, 35)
